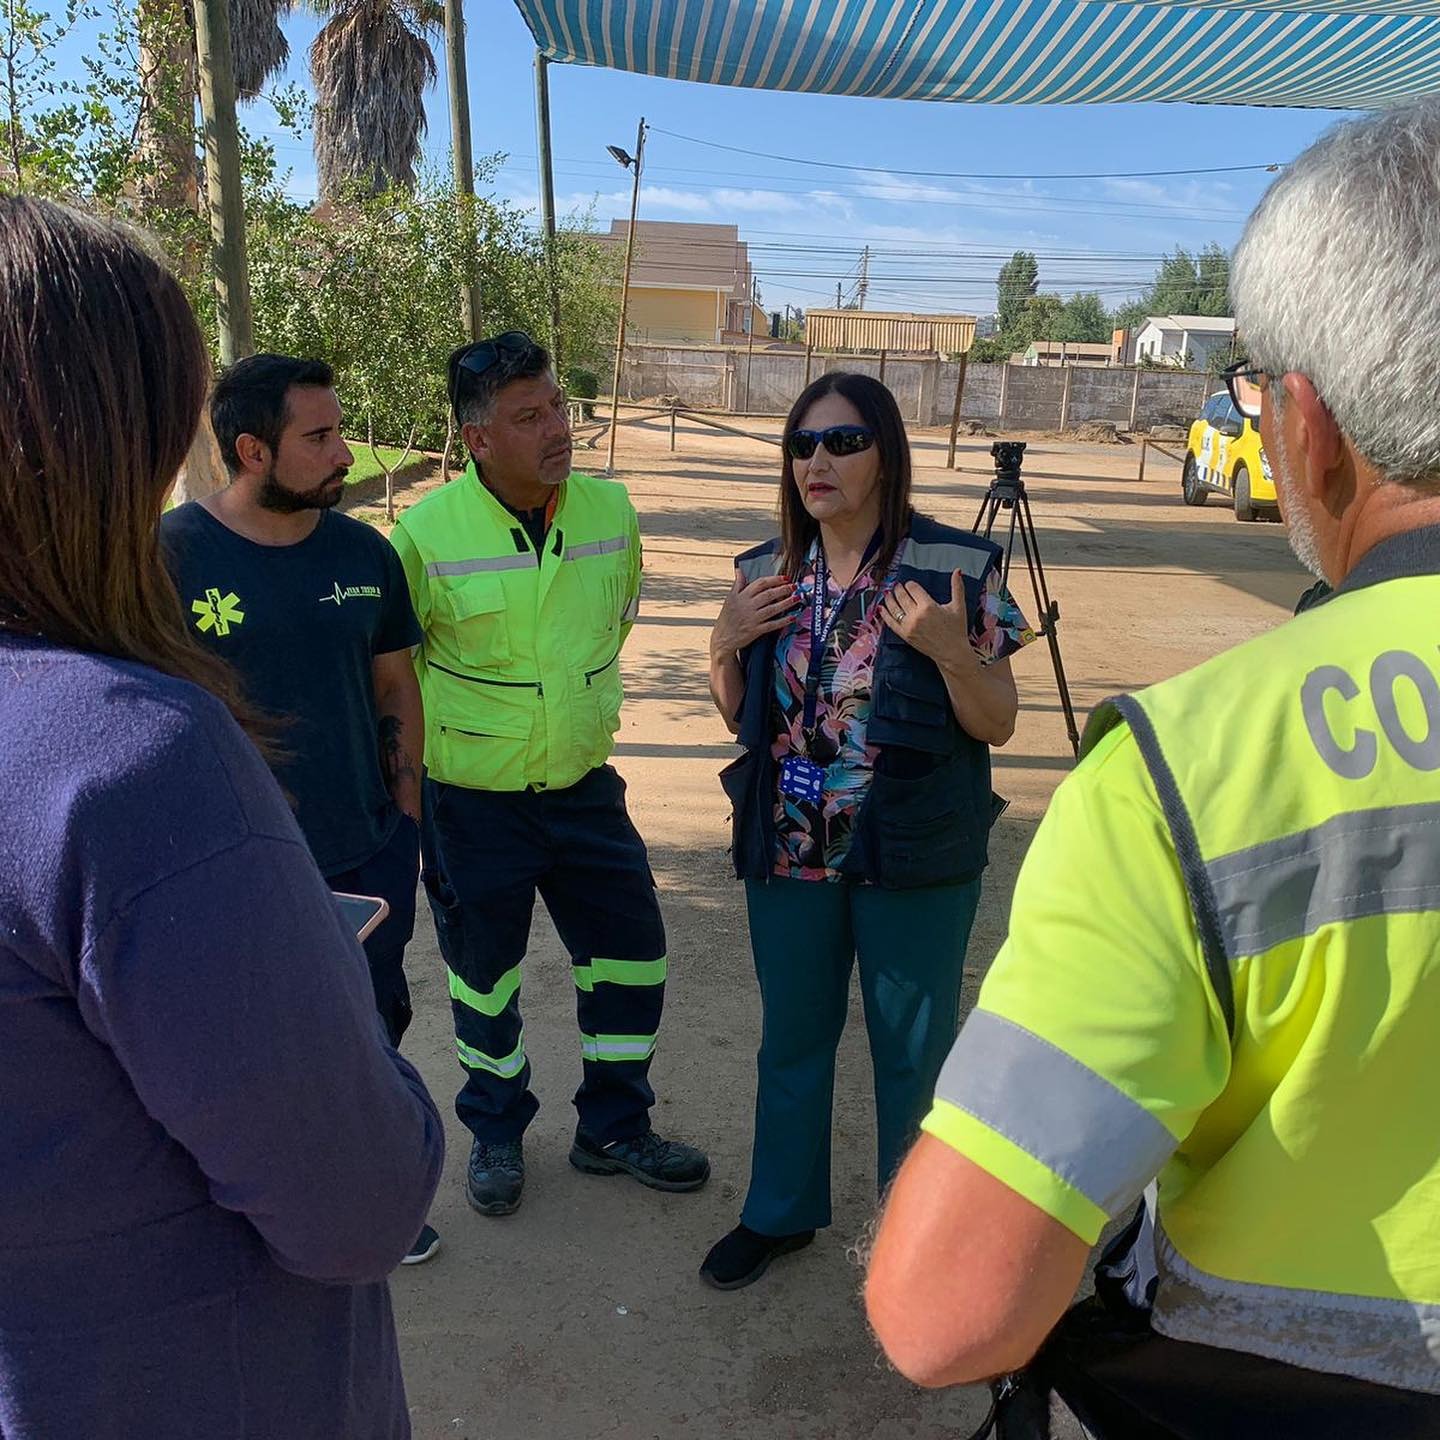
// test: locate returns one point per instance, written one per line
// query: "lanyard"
(823, 627)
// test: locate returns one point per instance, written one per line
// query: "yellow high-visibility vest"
(1224, 968)
(519, 667)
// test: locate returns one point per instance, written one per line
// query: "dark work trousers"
(805, 935)
(392, 873)
(486, 854)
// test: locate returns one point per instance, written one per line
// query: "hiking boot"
(660, 1164)
(495, 1176)
(743, 1256)
(426, 1246)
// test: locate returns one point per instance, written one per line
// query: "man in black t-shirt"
(312, 609)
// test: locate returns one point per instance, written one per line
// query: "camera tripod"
(1007, 491)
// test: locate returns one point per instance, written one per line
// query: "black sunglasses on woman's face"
(838, 440)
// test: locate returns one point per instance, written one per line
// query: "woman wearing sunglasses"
(861, 658)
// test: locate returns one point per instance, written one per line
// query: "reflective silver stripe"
(945, 557)
(1388, 1342)
(528, 561)
(1369, 862)
(612, 546)
(631, 611)
(1073, 1121)
(757, 567)
(617, 1047)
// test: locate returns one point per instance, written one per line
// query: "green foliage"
(1017, 282)
(372, 285)
(1039, 320)
(1189, 284)
(1131, 315)
(1085, 320)
(581, 384)
(988, 350)
(1221, 358)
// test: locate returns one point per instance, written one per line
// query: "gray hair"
(1337, 277)
(473, 396)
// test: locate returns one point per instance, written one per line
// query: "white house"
(1183, 340)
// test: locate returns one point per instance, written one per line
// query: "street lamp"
(628, 162)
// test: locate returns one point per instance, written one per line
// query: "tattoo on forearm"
(395, 762)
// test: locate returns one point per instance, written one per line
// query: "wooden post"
(222, 180)
(955, 413)
(1144, 445)
(461, 164)
(749, 360)
(547, 197)
(809, 352)
(636, 161)
(672, 427)
(1065, 396)
(1135, 414)
(1004, 390)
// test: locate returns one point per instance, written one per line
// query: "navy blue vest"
(926, 819)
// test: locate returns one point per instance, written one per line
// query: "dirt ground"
(582, 1315)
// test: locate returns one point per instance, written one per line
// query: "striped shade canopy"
(1331, 53)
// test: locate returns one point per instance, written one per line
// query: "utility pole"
(460, 156)
(547, 194)
(837, 295)
(630, 162)
(222, 179)
(864, 278)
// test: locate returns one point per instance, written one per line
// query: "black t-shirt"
(301, 625)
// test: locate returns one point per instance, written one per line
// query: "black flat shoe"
(743, 1256)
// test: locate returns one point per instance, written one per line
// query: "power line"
(970, 175)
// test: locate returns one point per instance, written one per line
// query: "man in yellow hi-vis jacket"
(1223, 966)
(525, 578)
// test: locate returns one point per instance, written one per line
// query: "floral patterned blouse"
(813, 839)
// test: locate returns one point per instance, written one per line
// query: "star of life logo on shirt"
(217, 612)
(341, 593)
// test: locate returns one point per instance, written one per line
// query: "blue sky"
(936, 242)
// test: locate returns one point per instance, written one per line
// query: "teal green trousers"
(806, 935)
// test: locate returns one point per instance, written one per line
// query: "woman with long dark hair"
(861, 657)
(210, 1158)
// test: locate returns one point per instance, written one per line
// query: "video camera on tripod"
(1007, 491)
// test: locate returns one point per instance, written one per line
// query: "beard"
(1299, 529)
(284, 501)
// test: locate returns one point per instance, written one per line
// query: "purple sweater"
(209, 1157)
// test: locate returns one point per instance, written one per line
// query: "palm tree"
(371, 64)
(258, 47)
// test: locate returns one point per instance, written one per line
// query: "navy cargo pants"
(486, 853)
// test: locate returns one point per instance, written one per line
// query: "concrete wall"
(1015, 397)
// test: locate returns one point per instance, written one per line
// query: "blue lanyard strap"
(822, 628)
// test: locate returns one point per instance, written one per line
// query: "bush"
(582, 384)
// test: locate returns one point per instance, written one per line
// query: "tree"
(258, 47)
(1017, 282)
(371, 65)
(1085, 320)
(1186, 284)
(1213, 274)
(1131, 315)
(1040, 320)
(988, 350)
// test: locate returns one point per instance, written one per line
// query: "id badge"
(801, 779)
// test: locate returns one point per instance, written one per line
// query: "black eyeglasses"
(476, 359)
(838, 440)
(1246, 384)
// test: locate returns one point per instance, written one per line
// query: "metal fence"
(765, 381)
